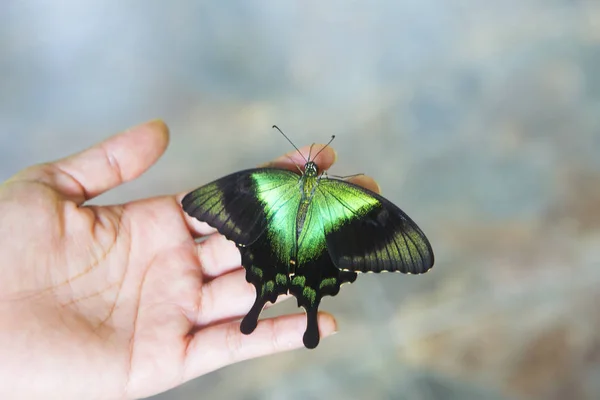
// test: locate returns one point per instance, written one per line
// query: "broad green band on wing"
(307, 235)
(278, 196)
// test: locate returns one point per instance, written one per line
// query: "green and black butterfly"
(307, 234)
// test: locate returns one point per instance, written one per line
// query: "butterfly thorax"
(308, 181)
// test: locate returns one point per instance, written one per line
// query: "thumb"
(106, 165)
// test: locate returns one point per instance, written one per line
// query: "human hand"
(121, 301)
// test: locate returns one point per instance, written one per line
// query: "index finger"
(325, 158)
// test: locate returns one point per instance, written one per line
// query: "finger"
(118, 159)
(291, 161)
(217, 256)
(224, 344)
(365, 181)
(227, 297)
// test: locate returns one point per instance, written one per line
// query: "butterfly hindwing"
(367, 233)
(269, 277)
(311, 281)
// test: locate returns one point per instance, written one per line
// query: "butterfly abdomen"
(307, 188)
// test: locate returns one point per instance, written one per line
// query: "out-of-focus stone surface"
(481, 119)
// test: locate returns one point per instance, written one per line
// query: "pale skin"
(121, 302)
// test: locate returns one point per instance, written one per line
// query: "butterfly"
(307, 234)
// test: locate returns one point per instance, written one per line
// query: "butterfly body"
(307, 235)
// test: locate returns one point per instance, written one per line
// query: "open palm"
(120, 301)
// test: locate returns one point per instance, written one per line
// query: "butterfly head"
(310, 169)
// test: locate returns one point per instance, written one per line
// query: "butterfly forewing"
(235, 204)
(367, 233)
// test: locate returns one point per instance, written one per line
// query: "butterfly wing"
(367, 233)
(257, 210)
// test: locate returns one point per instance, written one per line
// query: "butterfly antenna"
(294, 162)
(344, 177)
(288, 139)
(310, 151)
(324, 147)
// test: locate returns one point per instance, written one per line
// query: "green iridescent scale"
(307, 235)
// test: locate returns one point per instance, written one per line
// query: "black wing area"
(269, 277)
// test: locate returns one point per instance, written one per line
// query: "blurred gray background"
(480, 118)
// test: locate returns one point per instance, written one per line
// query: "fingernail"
(336, 328)
(156, 121)
(378, 187)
